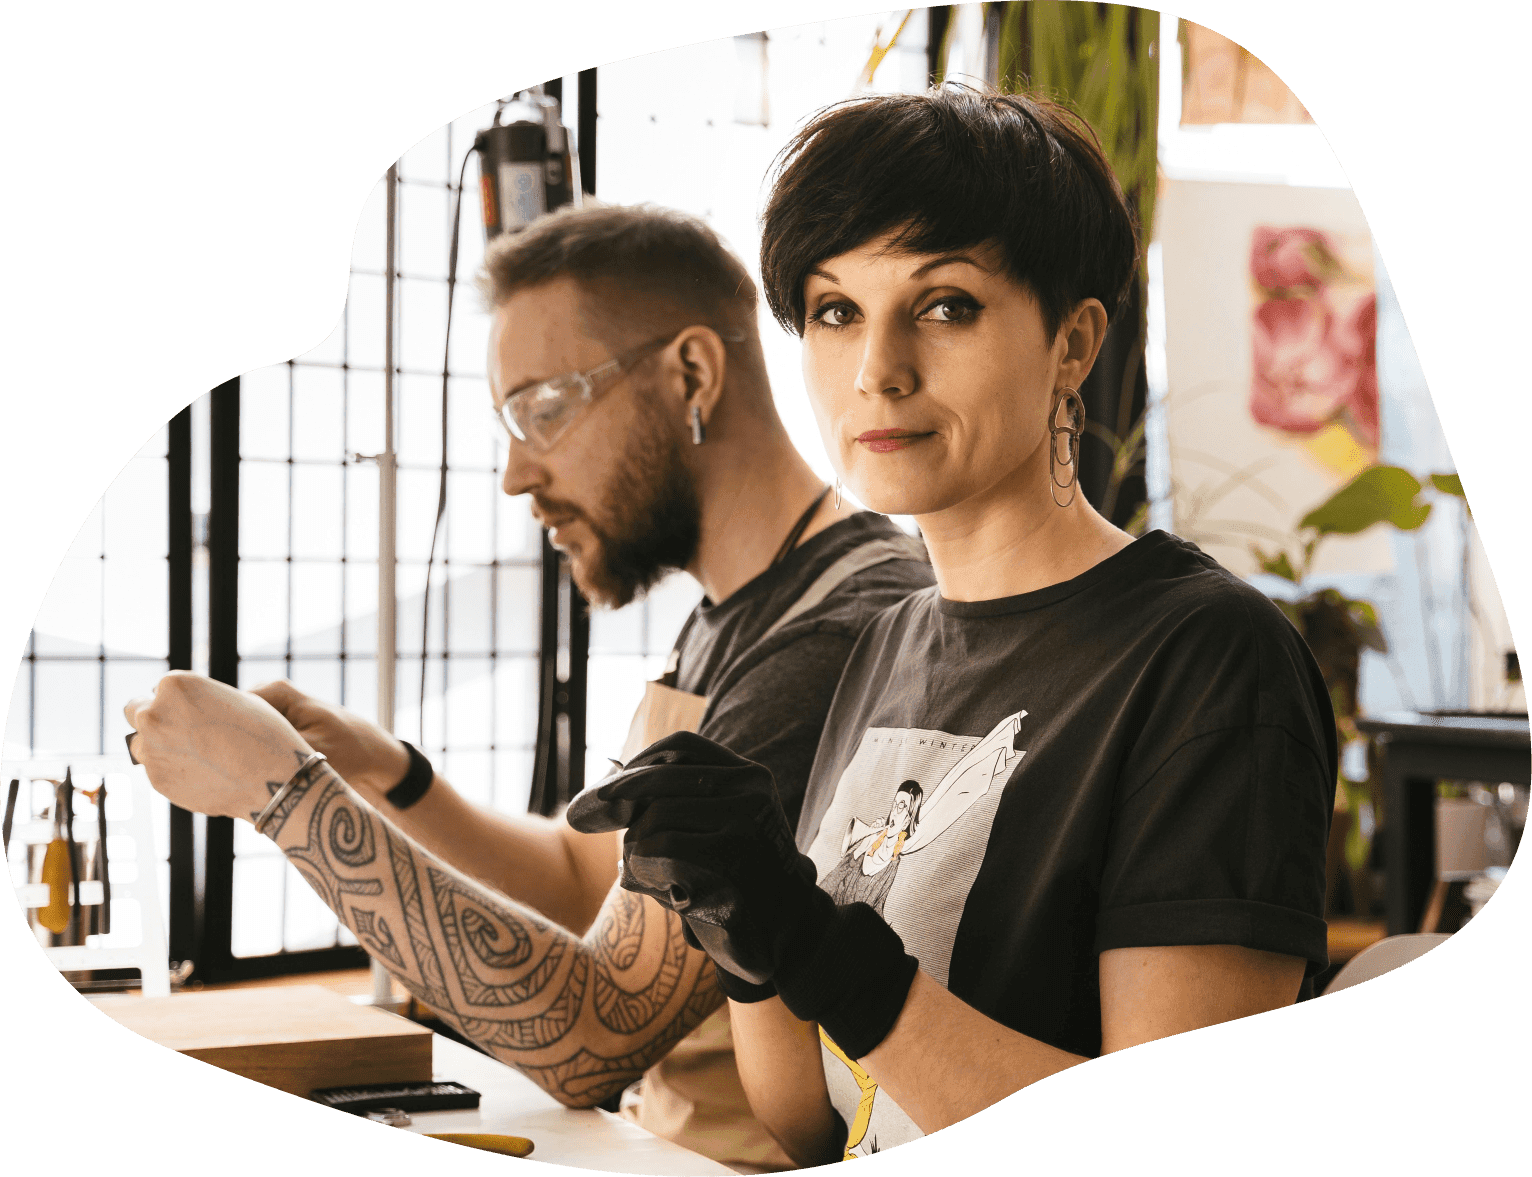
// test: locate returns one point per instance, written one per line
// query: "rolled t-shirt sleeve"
(1224, 843)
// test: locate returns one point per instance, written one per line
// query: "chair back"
(1383, 957)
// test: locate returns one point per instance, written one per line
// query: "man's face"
(613, 490)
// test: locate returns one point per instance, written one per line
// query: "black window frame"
(201, 850)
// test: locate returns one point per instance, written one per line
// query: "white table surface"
(516, 1106)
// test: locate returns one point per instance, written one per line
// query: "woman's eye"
(837, 314)
(951, 310)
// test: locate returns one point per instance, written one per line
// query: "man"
(626, 365)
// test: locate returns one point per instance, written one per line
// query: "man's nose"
(887, 367)
(523, 473)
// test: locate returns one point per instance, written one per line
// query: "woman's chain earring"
(1069, 400)
(837, 494)
(699, 431)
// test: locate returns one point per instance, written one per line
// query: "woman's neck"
(1005, 541)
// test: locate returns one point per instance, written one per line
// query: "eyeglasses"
(540, 414)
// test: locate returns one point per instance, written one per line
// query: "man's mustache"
(556, 510)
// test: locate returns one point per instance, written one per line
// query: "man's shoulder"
(875, 566)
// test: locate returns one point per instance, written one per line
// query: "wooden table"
(514, 1105)
(1418, 749)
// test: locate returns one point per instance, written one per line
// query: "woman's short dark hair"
(950, 169)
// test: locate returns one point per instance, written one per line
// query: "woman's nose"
(888, 363)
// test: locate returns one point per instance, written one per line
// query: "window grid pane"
(100, 638)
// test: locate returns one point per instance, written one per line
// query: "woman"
(1135, 751)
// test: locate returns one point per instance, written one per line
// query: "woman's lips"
(882, 441)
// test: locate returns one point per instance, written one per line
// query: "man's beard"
(651, 520)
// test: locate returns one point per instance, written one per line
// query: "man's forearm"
(537, 861)
(583, 1017)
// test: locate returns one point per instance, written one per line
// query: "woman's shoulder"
(1206, 627)
(1193, 591)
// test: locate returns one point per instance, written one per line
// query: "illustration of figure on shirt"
(868, 865)
(870, 854)
(870, 859)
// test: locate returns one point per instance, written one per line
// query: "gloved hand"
(707, 838)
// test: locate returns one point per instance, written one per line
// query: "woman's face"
(931, 376)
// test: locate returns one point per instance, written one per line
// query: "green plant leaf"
(1379, 494)
(1448, 484)
(1364, 622)
(1358, 846)
(1275, 565)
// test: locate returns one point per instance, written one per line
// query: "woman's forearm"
(944, 1060)
(927, 1061)
(780, 1069)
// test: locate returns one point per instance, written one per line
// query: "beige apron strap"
(665, 710)
(662, 712)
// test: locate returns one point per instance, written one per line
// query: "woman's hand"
(706, 837)
(362, 754)
(211, 748)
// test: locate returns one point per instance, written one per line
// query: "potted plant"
(1337, 627)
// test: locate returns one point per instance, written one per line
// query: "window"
(282, 578)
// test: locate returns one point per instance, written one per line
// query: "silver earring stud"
(699, 431)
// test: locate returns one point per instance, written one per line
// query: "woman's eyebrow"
(947, 259)
(821, 272)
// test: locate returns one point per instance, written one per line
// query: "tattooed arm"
(582, 1016)
(535, 860)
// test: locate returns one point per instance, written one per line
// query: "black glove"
(707, 838)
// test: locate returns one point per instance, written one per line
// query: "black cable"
(441, 491)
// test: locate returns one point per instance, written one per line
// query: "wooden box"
(293, 1038)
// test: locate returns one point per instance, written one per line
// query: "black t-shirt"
(768, 658)
(1143, 755)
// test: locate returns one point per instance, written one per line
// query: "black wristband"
(416, 781)
(853, 982)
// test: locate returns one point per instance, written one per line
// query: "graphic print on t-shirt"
(906, 834)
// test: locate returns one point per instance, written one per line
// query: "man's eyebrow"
(524, 385)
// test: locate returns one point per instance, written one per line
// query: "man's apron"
(693, 1095)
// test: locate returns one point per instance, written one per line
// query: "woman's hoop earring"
(699, 431)
(1069, 399)
(837, 494)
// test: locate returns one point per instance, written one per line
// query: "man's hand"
(362, 754)
(211, 748)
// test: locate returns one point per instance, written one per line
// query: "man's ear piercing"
(699, 431)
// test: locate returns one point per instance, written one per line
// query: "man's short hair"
(644, 268)
(951, 169)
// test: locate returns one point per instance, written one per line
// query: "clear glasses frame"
(537, 416)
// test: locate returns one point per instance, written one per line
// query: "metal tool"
(10, 812)
(66, 793)
(98, 921)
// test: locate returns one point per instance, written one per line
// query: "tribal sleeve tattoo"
(583, 1017)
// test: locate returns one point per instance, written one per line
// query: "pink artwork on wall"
(1314, 330)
